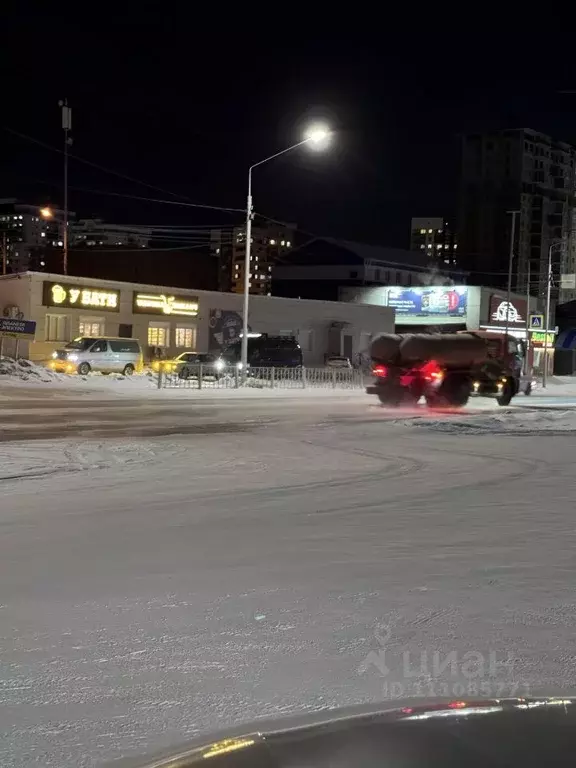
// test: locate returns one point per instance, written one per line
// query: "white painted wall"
(267, 315)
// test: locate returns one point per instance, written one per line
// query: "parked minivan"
(107, 355)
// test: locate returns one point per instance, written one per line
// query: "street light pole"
(510, 260)
(316, 136)
(547, 316)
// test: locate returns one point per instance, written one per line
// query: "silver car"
(107, 355)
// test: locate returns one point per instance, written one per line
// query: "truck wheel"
(507, 393)
(391, 395)
(454, 392)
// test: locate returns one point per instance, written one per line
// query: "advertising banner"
(17, 329)
(225, 328)
(434, 301)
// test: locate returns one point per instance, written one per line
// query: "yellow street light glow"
(46, 213)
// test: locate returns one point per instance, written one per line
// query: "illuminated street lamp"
(317, 136)
(46, 213)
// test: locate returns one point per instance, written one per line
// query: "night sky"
(185, 103)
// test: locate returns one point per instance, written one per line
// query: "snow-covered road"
(293, 553)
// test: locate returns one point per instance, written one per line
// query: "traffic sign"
(536, 322)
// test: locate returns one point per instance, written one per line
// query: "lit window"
(186, 336)
(272, 242)
(262, 277)
(15, 218)
(217, 250)
(42, 263)
(455, 245)
(91, 326)
(429, 231)
(20, 217)
(429, 245)
(439, 246)
(60, 242)
(422, 231)
(422, 247)
(283, 242)
(439, 231)
(269, 269)
(288, 243)
(446, 247)
(158, 334)
(268, 294)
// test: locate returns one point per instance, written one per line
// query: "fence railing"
(206, 377)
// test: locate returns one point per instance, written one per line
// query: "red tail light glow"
(380, 370)
(432, 372)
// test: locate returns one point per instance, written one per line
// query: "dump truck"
(445, 368)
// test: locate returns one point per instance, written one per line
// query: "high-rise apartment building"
(436, 238)
(269, 244)
(525, 171)
(97, 232)
(25, 230)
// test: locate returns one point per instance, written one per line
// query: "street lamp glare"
(46, 213)
(318, 135)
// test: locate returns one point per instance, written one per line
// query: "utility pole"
(510, 260)
(4, 255)
(67, 126)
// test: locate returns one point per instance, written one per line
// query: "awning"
(566, 339)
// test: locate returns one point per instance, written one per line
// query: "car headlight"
(54, 355)
(239, 366)
(219, 365)
(73, 358)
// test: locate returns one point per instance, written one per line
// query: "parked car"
(337, 361)
(266, 352)
(212, 365)
(107, 355)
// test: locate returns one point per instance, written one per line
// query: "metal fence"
(204, 377)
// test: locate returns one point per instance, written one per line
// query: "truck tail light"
(380, 370)
(432, 372)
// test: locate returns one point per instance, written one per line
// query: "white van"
(107, 355)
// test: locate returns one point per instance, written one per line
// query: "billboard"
(431, 301)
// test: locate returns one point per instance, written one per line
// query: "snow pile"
(25, 370)
(505, 422)
(22, 371)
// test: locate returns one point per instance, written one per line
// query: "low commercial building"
(168, 320)
(449, 308)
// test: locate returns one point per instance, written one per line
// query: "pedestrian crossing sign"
(536, 322)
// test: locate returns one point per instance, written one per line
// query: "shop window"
(91, 326)
(125, 330)
(57, 328)
(186, 337)
(158, 334)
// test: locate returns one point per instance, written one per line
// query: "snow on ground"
(537, 421)
(309, 554)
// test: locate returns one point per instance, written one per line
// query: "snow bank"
(24, 372)
(505, 422)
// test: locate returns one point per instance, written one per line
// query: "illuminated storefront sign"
(65, 295)
(163, 304)
(500, 308)
(538, 338)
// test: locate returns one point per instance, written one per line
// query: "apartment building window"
(186, 336)
(159, 334)
(91, 326)
(57, 327)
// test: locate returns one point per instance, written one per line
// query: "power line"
(121, 176)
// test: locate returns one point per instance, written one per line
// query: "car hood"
(484, 732)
